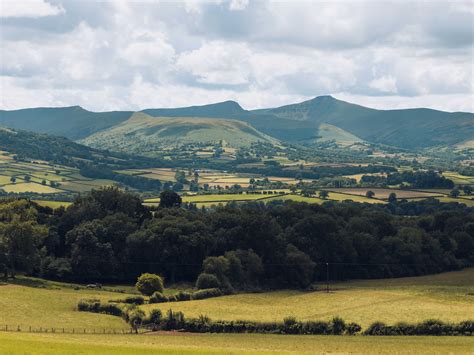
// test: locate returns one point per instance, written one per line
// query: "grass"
(52, 204)
(384, 193)
(444, 297)
(173, 343)
(53, 307)
(459, 179)
(30, 187)
(41, 303)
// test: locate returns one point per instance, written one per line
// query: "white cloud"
(386, 84)
(218, 63)
(238, 5)
(28, 8)
(136, 54)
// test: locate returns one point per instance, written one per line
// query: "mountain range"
(321, 118)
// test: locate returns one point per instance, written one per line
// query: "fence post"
(18, 329)
(30, 329)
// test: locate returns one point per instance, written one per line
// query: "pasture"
(40, 303)
(445, 296)
(383, 194)
(38, 177)
(459, 179)
(185, 343)
(213, 178)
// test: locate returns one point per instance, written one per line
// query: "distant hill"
(306, 122)
(144, 134)
(71, 122)
(408, 128)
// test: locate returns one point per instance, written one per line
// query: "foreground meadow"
(172, 343)
(39, 303)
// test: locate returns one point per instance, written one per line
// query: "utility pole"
(327, 277)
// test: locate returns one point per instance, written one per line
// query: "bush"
(465, 328)
(94, 305)
(291, 326)
(173, 320)
(317, 327)
(147, 284)
(206, 293)
(433, 327)
(376, 328)
(172, 298)
(337, 326)
(134, 300)
(158, 297)
(353, 328)
(183, 296)
(154, 319)
(207, 281)
(136, 318)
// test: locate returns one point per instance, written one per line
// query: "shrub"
(136, 318)
(402, 328)
(337, 326)
(376, 328)
(353, 328)
(183, 296)
(433, 327)
(111, 309)
(207, 281)
(154, 319)
(158, 297)
(94, 305)
(465, 327)
(316, 327)
(174, 320)
(134, 300)
(206, 293)
(147, 284)
(172, 298)
(291, 325)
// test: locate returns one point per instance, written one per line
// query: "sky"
(132, 55)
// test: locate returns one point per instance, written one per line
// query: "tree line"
(108, 235)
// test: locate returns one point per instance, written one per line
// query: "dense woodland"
(108, 235)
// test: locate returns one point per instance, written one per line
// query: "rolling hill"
(408, 128)
(71, 122)
(143, 134)
(301, 122)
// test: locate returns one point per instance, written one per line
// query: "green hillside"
(409, 128)
(143, 134)
(71, 122)
(301, 122)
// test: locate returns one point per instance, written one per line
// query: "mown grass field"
(172, 343)
(446, 296)
(53, 306)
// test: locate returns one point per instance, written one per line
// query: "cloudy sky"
(140, 54)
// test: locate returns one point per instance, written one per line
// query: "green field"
(458, 178)
(52, 204)
(179, 343)
(444, 296)
(68, 179)
(46, 304)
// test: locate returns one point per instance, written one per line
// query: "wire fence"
(64, 330)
